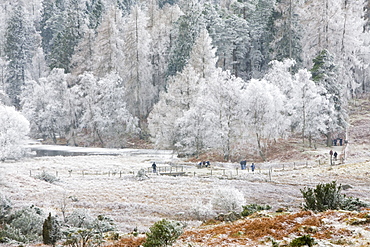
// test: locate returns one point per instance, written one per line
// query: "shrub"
(327, 196)
(228, 199)
(80, 218)
(24, 225)
(14, 128)
(163, 233)
(5, 207)
(47, 177)
(252, 208)
(86, 231)
(200, 211)
(51, 230)
(304, 240)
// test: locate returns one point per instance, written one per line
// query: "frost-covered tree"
(105, 116)
(279, 74)
(160, 24)
(138, 68)
(66, 39)
(309, 114)
(185, 32)
(108, 45)
(94, 11)
(38, 67)
(44, 104)
(286, 32)
(18, 50)
(83, 58)
(203, 56)
(260, 23)
(324, 74)
(264, 115)
(14, 128)
(231, 36)
(222, 102)
(180, 95)
(51, 25)
(336, 26)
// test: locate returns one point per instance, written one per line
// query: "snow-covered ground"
(107, 184)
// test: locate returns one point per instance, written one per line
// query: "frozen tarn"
(56, 150)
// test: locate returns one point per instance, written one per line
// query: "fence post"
(237, 171)
(270, 171)
(30, 173)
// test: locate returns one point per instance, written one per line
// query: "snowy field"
(107, 184)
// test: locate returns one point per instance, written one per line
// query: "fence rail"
(224, 170)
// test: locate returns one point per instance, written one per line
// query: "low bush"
(47, 177)
(163, 233)
(228, 199)
(200, 211)
(24, 225)
(303, 241)
(5, 208)
(253, 208)
(328, 196)
(86, 231)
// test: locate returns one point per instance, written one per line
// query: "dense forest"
(224, 76)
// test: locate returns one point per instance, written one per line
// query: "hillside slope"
(331, 228)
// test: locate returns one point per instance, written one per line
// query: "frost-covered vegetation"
(14, 128)
(173, 73)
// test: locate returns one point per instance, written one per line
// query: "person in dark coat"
(208, 164)
(335, 155)
(154, 166)
(253, 166)
(243, 164)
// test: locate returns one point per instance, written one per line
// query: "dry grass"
(253, 230)
(129, 241)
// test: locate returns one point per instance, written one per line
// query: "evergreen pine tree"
(186, 31)
(324, 75)
(286, 33)
(18, 49)
(51, 230)
(94, 10)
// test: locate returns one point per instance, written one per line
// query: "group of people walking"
(204, 164)
(243, 165)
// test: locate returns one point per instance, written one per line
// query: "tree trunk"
(260, 151)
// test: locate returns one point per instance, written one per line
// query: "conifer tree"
(185, 32)
(51, 231)
(18, 50)
(324, 74)
(137, 62)
(94, 10)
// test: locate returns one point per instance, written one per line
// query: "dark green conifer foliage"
(94, 11)
(51, 231)
(163, 233)
(18, 47)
